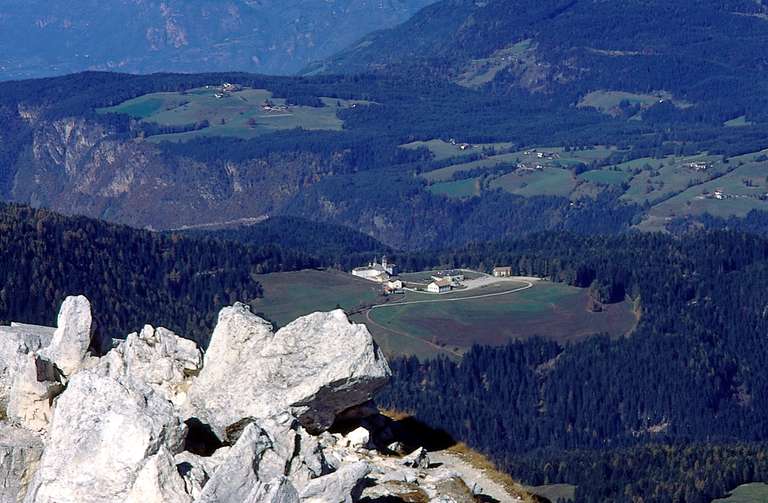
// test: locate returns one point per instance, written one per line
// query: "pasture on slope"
(747, 493)
(240, 113)
(550, 310)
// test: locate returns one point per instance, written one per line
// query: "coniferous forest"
(674, 412)
(132, 277)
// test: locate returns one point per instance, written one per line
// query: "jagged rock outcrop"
(157, 357)
(315, 367)
(72, 338)
(103, 431)
(146, 424)
(159, 481)
(35, 386)
(17, 341)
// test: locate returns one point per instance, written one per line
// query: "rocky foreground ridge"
(152, 419)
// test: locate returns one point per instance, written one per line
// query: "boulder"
(342, 486)
(72, 337)
(359, 438)
(315, 368)
(157, 357)
(159, 482)
(20, 452)
(103, 432)
(35, 386)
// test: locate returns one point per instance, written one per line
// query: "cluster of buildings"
(699, 165)
(462, 146)
(270, 106)
(445, 281)
(225, 90)
(378, 272)
(542, 155)
(385, 273)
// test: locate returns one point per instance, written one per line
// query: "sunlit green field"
(747, 493)
(458, 189)
(237, 114)
(549, 310)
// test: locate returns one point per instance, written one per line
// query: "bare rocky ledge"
(154, 420)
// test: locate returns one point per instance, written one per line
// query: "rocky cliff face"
(155, 420)
(50, 37)
(76, 166)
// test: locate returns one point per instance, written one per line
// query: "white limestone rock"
(20, 452)
(72, 337)
(293, 452)
(278, 490)
(196, 470)
(103, 431)
(341, 486)
(359, 438)
(157, 357)
(35, 386)
(237, 476)
(159, 482)
(17, 341)
(315, 367)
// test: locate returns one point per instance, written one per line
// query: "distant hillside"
(52, 37)
(694, 50)
(335, 244)
(131, 276)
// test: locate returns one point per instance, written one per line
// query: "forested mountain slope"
(132, 277)
(53, 37)
(694, 50)
(674, 412)
(411, 161)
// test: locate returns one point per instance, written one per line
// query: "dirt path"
(528, 284)
(473, 476)
(410, 336)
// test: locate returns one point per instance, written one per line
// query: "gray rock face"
(20, 452)
(279, 490)
(341, 486)
(237, 476)
(34, 387)
(109, 429)
(315, 367)
(72, 337)
(17, 341)
(159, 482)
(103, 431)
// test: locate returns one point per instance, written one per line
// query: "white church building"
(377, 272)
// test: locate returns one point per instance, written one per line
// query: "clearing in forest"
(551, 310)
(239, 112)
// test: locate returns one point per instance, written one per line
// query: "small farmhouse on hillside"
(454, 276)
(502, 272)
(440, 286)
